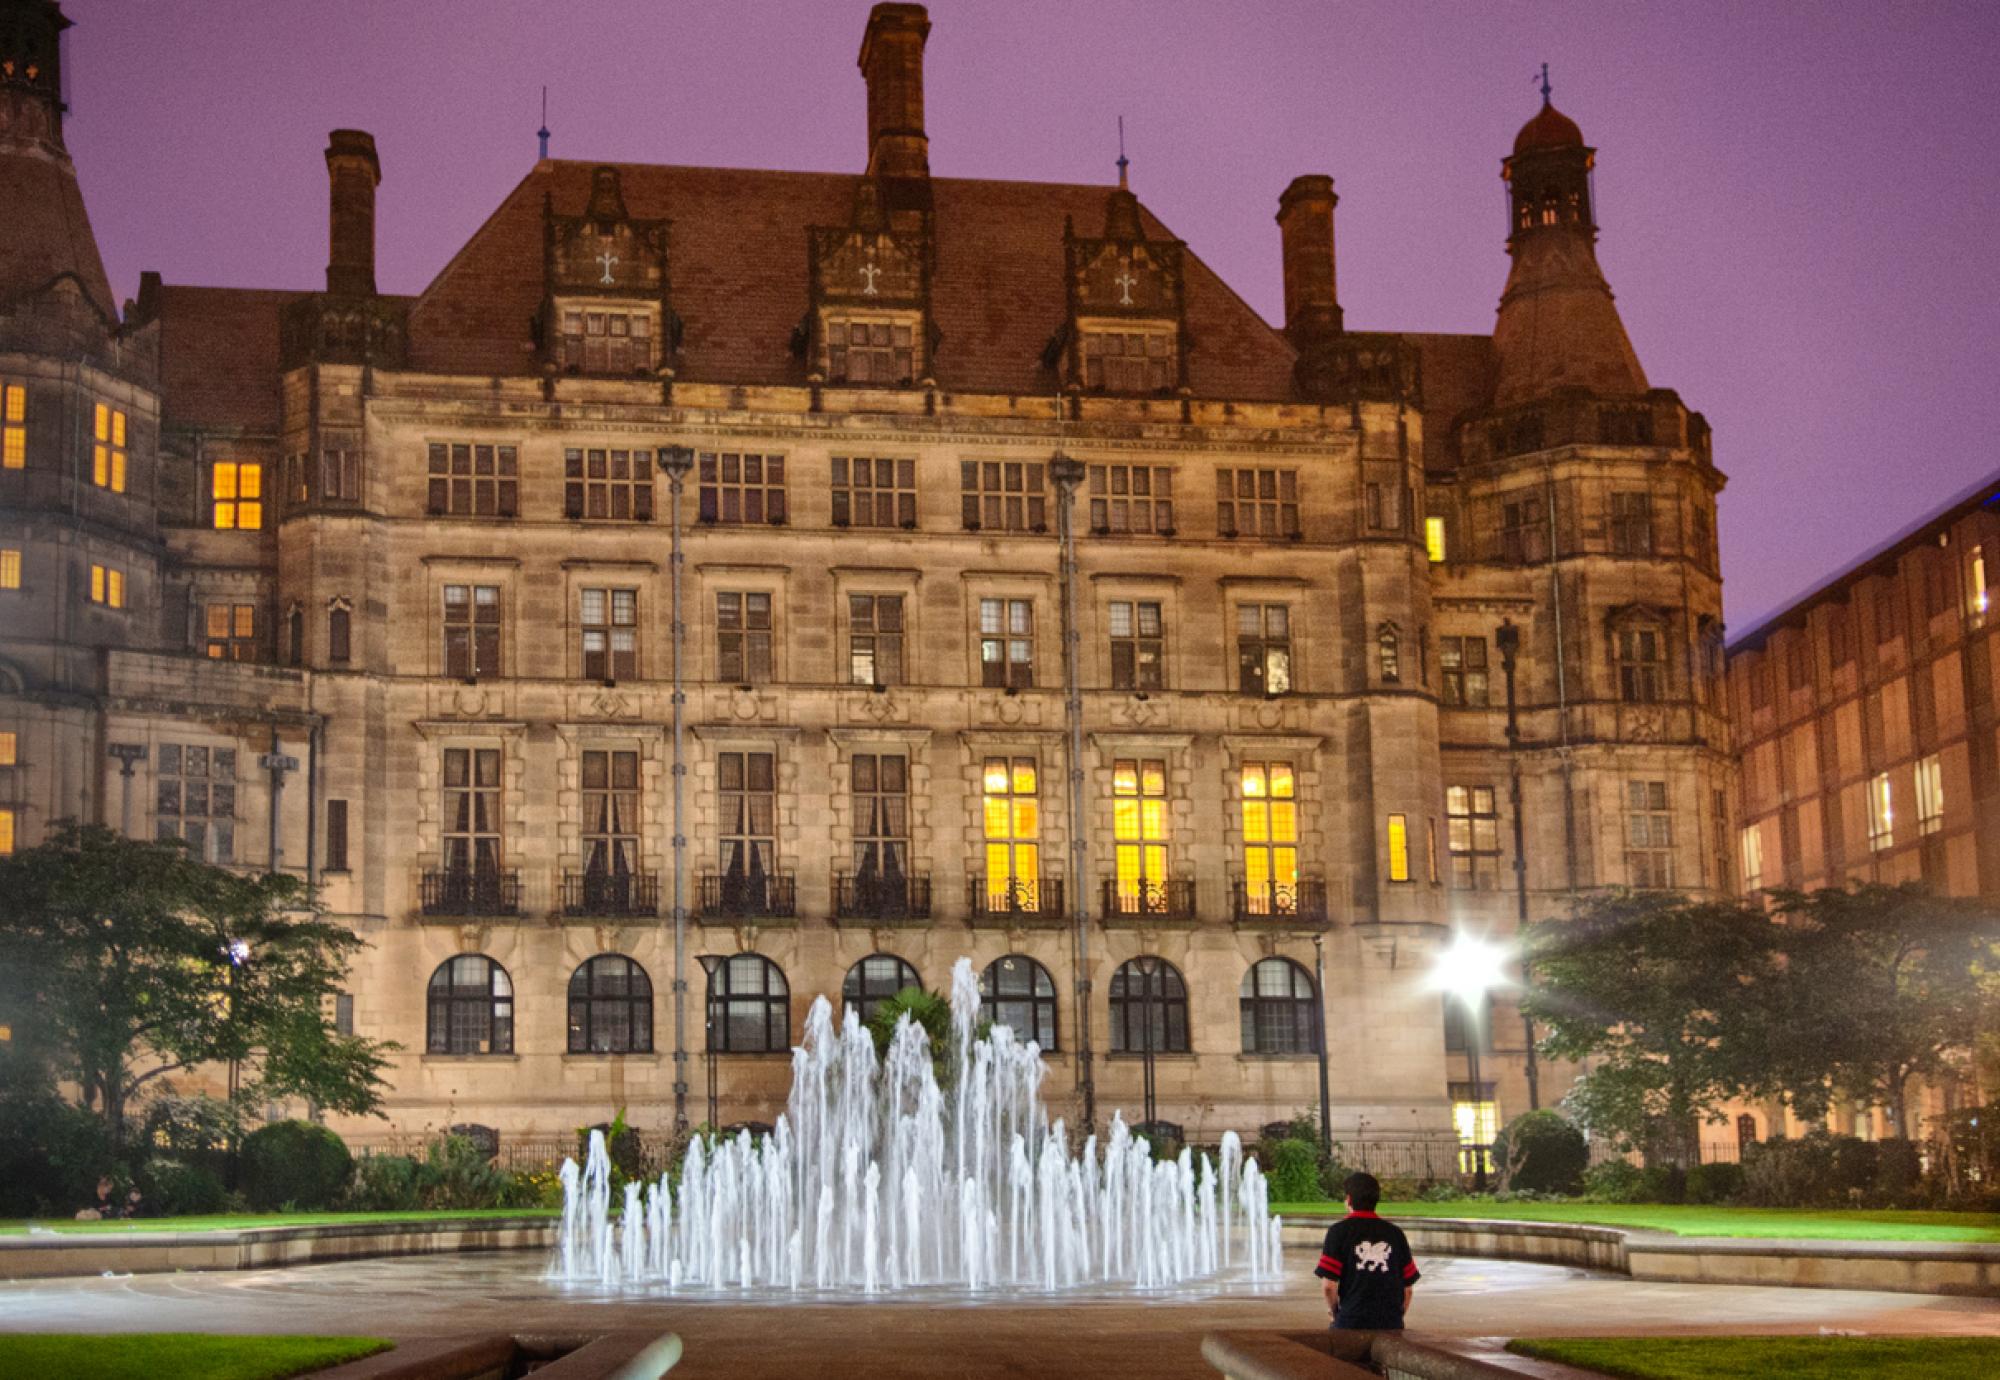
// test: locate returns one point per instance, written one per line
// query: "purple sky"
(1798, 200)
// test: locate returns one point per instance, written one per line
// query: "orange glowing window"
(238, 491)
(13, 426)
(107, 456)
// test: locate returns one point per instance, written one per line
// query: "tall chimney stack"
(892, 63)
(1305, 224)
(352, 172)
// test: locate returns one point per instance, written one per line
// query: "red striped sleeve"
(1410, 1270)
(1327, 1262)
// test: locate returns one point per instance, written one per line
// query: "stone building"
(1866, 730)
(379, 589)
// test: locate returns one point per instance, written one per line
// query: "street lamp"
(676, 461)
(1469, 969)
(1068, 474)
(709, 963)
(1508, 639)
(1148, 966)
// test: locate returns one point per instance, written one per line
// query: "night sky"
(1797, 200)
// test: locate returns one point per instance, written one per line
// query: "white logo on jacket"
(1372, 1255)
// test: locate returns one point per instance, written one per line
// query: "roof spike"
(1545, 83)
(543, 133)
(1123, 161)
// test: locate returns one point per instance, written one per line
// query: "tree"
(129, 961)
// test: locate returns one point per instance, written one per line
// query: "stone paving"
(1154, 1338)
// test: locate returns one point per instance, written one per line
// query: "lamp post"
(1468, 970)
(677, 461)
(1508, 638)
(1319, 1029)
(1069, 473)
(1148, 966)
(709, 963)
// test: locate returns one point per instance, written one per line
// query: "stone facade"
(1329, 527)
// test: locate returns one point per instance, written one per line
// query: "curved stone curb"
(1964, 1268)
(251, 1248)
(1330, 1355)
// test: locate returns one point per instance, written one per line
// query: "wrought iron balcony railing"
(890, 898)
(1145, 902)
(610, 893)
(765, 896)
(1036, 904)
(1300, 904)
(489, 891)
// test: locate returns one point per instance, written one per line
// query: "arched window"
(295, 630)
(874, 980)
(471, 1007)
(1019, 994)
(1137, 1003)
(1390, 644)
(610, 1007)
(339, 631)
(749, 1006)
(1279, 1009)
(1746, 1130)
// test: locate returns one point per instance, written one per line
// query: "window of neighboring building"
(1881, 814)
(747, 824)
(195, 799)
(870, 351)
(1976, 596)
(472, 812)
(1138, 1002)
(1930, 794)
(1642, 665)
(874, 493)
(10, 568)
(1128, 361)
(1435, 546)
(474, 480)
(336, 836)
(1632, 524)
(236, 495)
(1389, 651)
(1132, 498)
(471, 630)
(1270, 838)
(1003, 496)
(471, 1007)
(1752, 838)
(107, 586)
(1476, 1117)
(741, 488)
(230, 631)
(1463, 663)
(873, 981)
(1007, 643)
(1649, 835)
(612, 484)
(607, 342)
(13, 425)
(1399, 848)
(1139, 831)
(343, 1014)
(1384, 506)
(107, 456)
(1523, 531)
(1257, 502)
(9, 748)
(609, 620)
(1012, 828)
(339, 632)
(1020, 994)
(1138, 642)
(610, 1007)
(875, 639)
(1279, 1009)
(1888, 621)
(610, 813)
(1472, 837)
(1263, 649)
(881, 794)
(6, 831)
(749, 1007)
(339, 476)
(743, 627)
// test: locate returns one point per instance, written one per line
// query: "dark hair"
(1363, 1192)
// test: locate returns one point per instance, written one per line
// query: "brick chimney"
(892, 63)
(1305, 223)
(352, 172)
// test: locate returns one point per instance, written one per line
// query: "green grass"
(151, 1355)
(1815, 1224)
(1752, 1358)
(237, 1221)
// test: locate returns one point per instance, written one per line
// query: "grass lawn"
(1818, 1224)
(150, 1355)
(1748, 1358)
(237, 1221)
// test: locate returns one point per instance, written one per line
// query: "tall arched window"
(874, 980)
(749, 1006)
(1019, 994)
(610, 1007)
(1136, 1003)
(1279, 1009)
(471, 1007)
(339, 631)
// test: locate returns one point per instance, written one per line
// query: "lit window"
(1881, 814)
(10, 569)
(107, 586)
(1978, 574)
(8, 744)
(1477, 1118)
(1399, 848)
(1753, 857)
(1434, 542)
(238, 491)
(1139, 826)
(1013, 832)
(231, 632)
(1472, 837)
(1270, 838)
(13, 426)
(1930, 794)
(107, 457)
(6, 832)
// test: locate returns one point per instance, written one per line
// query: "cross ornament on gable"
(869, 271)
(1125, 280)
(609, 260)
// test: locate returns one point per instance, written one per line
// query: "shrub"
(1441, 1193)
(1715, 1183)
(385, 1183)
(1815, 1170)
(533, 1188)
(1899, 1174)
(457, 1176)
(293, 1164)
(1291, 1167)
(51, 1154)
(1614, 1181)
(1663, 1183)
(174, 1188)
(1542, 1152)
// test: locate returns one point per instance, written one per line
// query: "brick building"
(421, 547)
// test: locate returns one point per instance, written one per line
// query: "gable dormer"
(608, 306)
(869, 320)
(1127, 329)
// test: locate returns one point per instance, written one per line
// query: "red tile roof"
(219, 356)
(46, 231)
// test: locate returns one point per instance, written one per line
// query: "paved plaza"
(1152, 1338)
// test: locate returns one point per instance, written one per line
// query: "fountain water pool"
(877, 1179)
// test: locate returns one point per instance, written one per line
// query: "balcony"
(733, 899)
(610, 893)
(484, 892)
(1142, 904)
(1010, 903)
(1299, 905)
(881, 899)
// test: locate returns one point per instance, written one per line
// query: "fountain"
(877, 1180)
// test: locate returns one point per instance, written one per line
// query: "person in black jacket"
(1365, 1267)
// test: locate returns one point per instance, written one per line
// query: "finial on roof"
(543, 133)
(1122, 159)
(1545, 83)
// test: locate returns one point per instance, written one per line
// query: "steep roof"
(46, 229)
(737, 258)
(219, 356)
(1457, 379)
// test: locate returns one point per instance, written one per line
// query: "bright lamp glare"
(1471, 967)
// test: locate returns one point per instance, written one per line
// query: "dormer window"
(1128, 359)
(875, 349)
(606, 339)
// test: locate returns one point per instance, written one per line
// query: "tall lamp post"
(1148, 966)
(1069, 473)
(677, 461)
(709, 963)
(1319, 1029)
(1469, 969)
(1508, 637)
